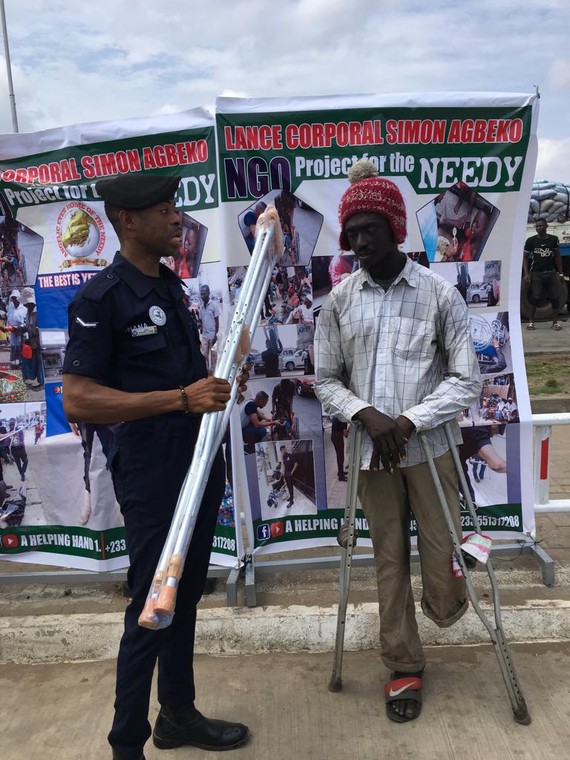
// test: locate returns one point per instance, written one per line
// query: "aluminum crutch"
(496, 632)
(348, 544)
(161, 600)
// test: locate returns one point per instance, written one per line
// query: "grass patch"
(548, 374)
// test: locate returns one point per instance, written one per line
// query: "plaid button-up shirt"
(404, 351)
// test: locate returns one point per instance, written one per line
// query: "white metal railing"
(543, 424)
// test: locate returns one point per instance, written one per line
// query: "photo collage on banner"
(464, 165)
(57, 500)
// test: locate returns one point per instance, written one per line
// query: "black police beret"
(137, 191)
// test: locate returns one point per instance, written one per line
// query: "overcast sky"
(77, 62)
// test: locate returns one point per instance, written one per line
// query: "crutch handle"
(344, 535)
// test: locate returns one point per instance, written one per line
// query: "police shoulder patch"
(97, 287)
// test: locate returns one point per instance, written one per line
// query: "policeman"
(134, 358)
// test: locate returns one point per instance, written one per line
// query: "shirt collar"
(140, 283)
(409, 274)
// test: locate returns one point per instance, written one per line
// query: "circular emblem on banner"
(481, 332)
(157, 315)
(80, 233)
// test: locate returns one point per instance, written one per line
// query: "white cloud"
(122, 58)
(554, 160)
(559, 74)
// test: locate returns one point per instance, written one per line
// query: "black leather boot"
(180, 726)
(118, 756)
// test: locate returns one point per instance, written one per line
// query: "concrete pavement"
(63, 712)
(57, 644)
(543, 339)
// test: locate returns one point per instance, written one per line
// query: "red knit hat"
(371, 194)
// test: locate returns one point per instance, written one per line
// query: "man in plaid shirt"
(394, 352)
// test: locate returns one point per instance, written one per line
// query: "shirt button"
(76, 363)
(110, 276)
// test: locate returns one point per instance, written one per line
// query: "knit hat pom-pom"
(361, 169)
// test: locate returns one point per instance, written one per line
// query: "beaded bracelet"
(184, 400)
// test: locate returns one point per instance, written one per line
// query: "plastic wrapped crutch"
(496, 632)
(161, 600)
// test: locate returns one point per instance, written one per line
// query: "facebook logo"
(263, 532)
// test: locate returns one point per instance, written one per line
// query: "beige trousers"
(389, 501)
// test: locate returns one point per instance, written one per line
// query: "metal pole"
(8, 68)
(542, 435)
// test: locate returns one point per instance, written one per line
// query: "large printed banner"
(464, 165)
(57, 504)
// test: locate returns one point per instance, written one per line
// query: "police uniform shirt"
(133, 332)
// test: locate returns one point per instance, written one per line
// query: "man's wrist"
(184, 399)
(406, 426)
(361, 414)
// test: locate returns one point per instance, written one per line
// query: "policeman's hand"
(527, 279)
(211, 394)
(389, 437)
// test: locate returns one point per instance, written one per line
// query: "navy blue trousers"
(148, 464)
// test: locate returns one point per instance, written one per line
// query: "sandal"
(530, 326)
(557, 326)
(404, 688)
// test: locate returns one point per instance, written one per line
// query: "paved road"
(63, 712)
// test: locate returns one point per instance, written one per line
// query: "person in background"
(38, 430)
(4, 337)
(270, 359)
(254, 425)
(32, 364)
(477, 442)
(185, 260)
(290, 465)
(542, 267)
(209, 326)
(18, 448)
(15, 320)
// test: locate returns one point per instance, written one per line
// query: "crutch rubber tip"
(335, 684)
(521, 714)
(148, 618)
(166, 601)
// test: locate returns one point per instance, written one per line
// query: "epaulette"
(97, 287)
